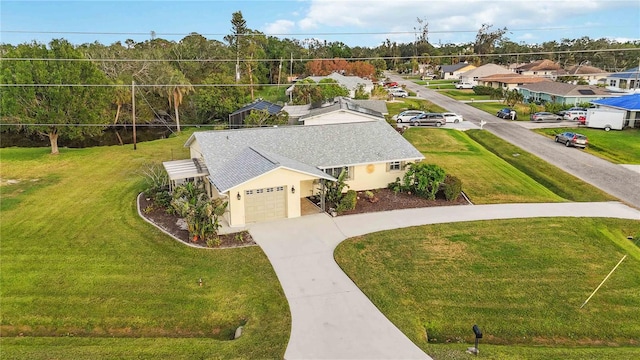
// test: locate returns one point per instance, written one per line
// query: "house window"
(335, 172)
(395, 166)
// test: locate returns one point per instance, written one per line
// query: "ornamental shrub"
(452, 187)
(348, 201)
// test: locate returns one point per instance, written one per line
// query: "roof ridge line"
(267, 157)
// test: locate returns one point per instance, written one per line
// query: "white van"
(574, 114)
(407, 115)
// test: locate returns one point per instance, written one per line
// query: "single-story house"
(629, 103)
(267, 173)
(625, 81)
(297, 112)
(236, 118)
(342, 110)
(543, 68)
(453, 72)
(473, 75)
(562, 93)
(509, 81)
(351, 83)
(592, 75)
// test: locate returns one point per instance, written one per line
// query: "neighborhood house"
(267, 173)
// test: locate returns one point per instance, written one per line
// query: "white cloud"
(456, 21)
(279, 27)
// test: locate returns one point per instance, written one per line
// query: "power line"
(322, 59)
(298, 34)
(254, 85)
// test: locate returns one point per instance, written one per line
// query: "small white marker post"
(605, 279)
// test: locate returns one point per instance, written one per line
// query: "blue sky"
(353, 22)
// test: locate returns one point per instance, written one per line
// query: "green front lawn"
(465, 95)
(495, 171)
(83, 276)
(522, 281)
(619, 147)
(550, 176)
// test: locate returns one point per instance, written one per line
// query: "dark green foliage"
(395, 186)
(333, 193)
(199, 211)
(423, 179)
(348, 201)
(452, 187)
(258, 118)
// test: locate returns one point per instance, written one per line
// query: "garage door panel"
(265, 204)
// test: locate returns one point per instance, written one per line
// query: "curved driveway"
(331, 317)
(611, 178)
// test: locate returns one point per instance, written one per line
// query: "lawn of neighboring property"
(465, 95)
(522, 281)
(619, 147)
(495, 171)
(83, 276)
(550, 176)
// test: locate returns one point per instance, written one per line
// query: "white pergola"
(182, 170)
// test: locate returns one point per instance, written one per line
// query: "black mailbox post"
(478, 332)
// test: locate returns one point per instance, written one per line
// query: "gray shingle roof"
(342, 104)
(350, 82)
(236, 156)
(565, 89)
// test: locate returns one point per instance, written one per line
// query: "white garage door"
(265, 204)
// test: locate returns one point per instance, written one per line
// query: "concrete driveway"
(331, 317)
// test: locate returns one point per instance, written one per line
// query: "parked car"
(505, 113)
(407, 115)
(452, 117)
(464, 85)
(399, 93)
(391, 84)
(545, 116)
(574, 114)
(572, 139)
(428, 119)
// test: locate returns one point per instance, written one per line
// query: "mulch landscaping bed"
(386, 200)
(171, 224)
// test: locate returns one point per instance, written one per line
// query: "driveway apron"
(331, 317)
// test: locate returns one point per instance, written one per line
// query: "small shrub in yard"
(239, 238)
(214, 242)
(348, 201)
(452, 187)
(371, 196)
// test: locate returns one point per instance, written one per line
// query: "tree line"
(62, 86)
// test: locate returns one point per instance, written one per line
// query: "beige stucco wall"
(372, 176)
(278, 177)
(195, 150)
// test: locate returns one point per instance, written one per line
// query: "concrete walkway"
(331, 317)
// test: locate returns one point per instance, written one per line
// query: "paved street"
(617, 180)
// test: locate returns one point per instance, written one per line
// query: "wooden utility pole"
(133, 110)
(279, 72)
